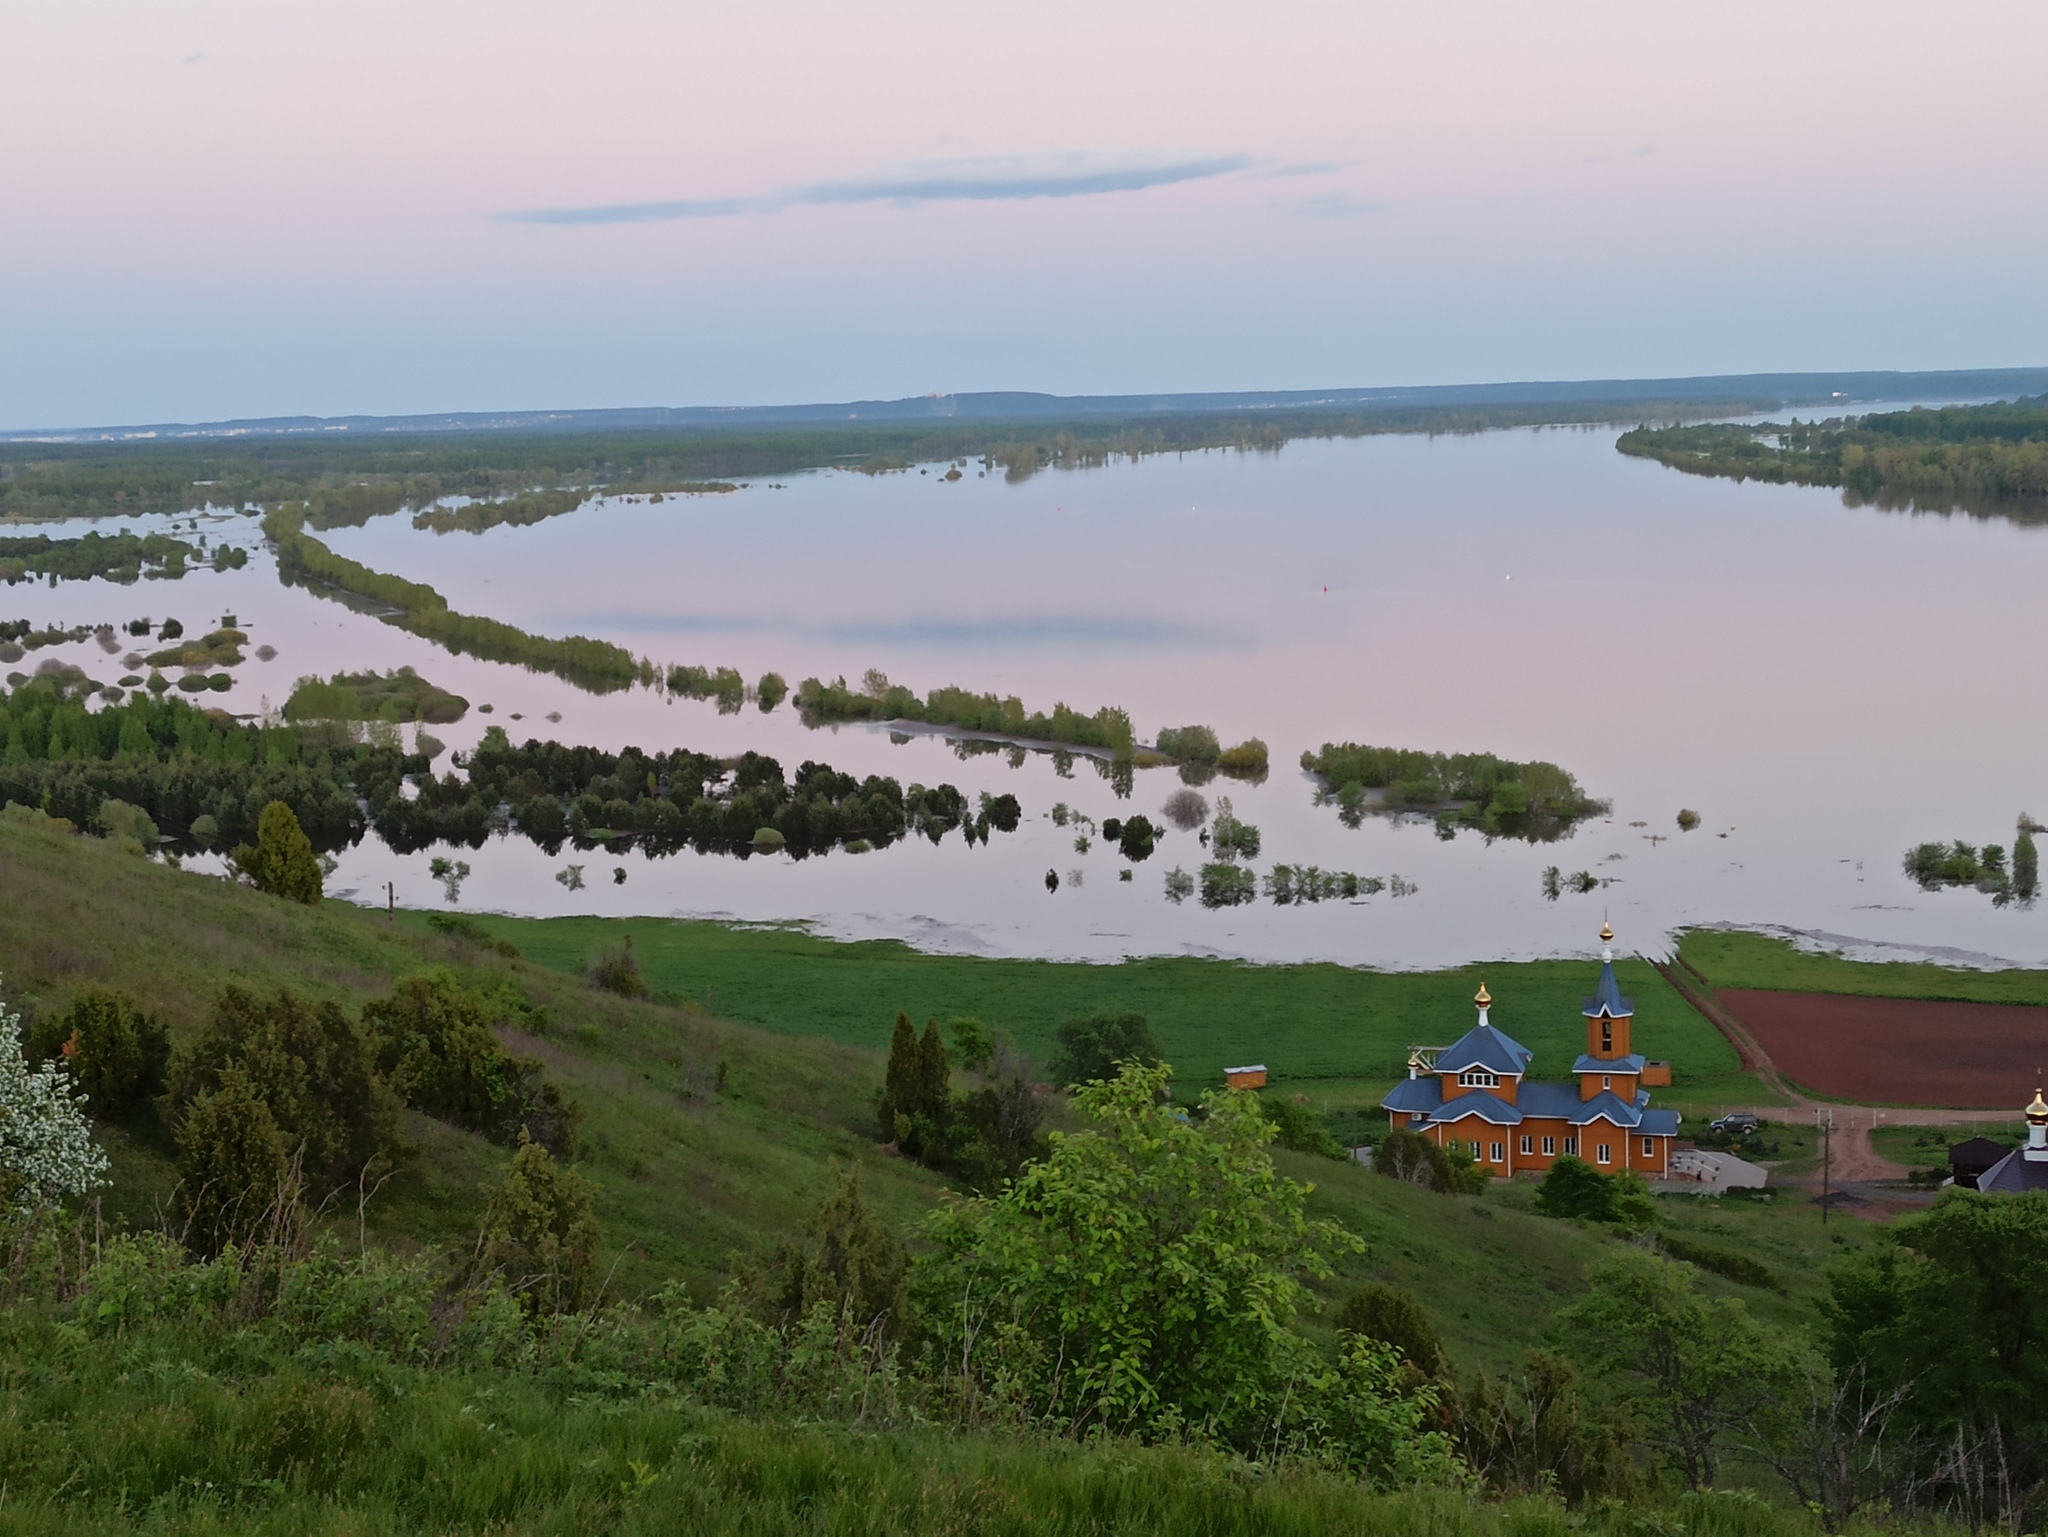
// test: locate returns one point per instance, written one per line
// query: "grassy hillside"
(1731, 958)
(1315, 1026)
(709, 1136)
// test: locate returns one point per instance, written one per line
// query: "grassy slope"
(1318, 1027)
(1729, 958)
(687, 1176)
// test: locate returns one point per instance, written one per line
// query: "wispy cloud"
(1336, 205)
(969, 181)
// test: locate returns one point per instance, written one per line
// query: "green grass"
(1731, 958)
(1923, 1147)
(1313, 1025)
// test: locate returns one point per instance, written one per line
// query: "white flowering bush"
(46, 1149)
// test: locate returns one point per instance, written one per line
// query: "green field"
(1731, 958)
(1329, 1031)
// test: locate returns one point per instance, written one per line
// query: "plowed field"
(1898, 1051)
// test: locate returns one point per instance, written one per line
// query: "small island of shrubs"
(1536, 801)
(393, 696)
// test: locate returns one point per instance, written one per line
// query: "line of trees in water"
(596, 665)
(877, 699)
(122, 557)
(1990, 460)
(530, 507)
(1499, 797)
(200, 780)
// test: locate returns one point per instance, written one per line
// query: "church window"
(1607, 1035)
(1571, 1147)
(1499, 1151)
(1649, 1148)
(1606, 1153)
(1549, 1147)
(1528, 1144)
(1478, 1151)
(1479, 1078)
(1606, 1082)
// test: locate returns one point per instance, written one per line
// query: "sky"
(255, 209)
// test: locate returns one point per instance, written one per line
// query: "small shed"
(1254, 1077)
(1967, 1160)
(1656, 1075)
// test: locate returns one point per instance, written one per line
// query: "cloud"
(968, 181)
(1335, 205)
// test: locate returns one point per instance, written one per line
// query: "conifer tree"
(282, 862)
(901, 1083)
(934, 1075)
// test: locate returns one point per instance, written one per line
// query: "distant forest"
(346, 481)
(1990, 460)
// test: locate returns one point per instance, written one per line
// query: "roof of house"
(1551, 1101)
(1417, 1096)
(1588, 1063)
(1660, 1123)
(1608, 1106)
(2014, 1173)
(1608, 998)
(1488, 1107)
(1977, 1153)
(1484, 1046)
(1255, 1067)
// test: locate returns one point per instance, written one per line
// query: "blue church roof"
(1555, 1101)
(1417, 1096)
(1606, 1106)
(1488, 1107)
(1634, 1062)
(1609, 998)
(1659, 1123)
(1484, 1046)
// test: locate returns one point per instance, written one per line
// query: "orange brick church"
(1477, 1093)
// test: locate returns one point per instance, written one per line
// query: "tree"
(1533, 1434)
(1698, 1369)
(975, 1041)
(934, 1077)
(1412, 1157)
(47, 1155)
(1143, 1276)
(111, 1050)
(1091, 1049)
(540, 1237)
(1389, 1313)
(901, 1081)
(282, 861)
(856, 1266)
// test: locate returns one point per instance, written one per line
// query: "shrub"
(1736, 1267)
(1091, 1050)
(1247, 760)
(113, 1052)
(618, 971)
(1574, 1188)
(1135, 839)
(282, 862)
(855, 1267)
(234, 1164)
(129, 827)
(1414, 1158)
(1229, 838)
(1688, 819)
(1381, 1311)
(540, 1238)
(1179, 886)
(47, 1154)
(1189, 744)
(309, 1066)
(1298, 1127)
(437, 1052)
(1225, 885)
(770, 691)
(1186, 809)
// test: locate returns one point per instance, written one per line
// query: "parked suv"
(1738, 1123)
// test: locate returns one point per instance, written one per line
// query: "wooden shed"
(1253, 1077)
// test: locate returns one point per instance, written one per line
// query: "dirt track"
(1898, 1051)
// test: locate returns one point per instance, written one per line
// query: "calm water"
(1825, 686)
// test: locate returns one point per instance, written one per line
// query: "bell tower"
(1608, 1013)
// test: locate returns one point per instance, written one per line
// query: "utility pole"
(1827, 1152)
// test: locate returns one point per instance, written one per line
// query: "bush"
(1247, 760)
(1090, 1050)
(1229, 838)
(540, 1237)
(1179, 886)
(1298, 1127)
(47, 1155)
(1575, 1188)
(1736, 1267)
(437, 1052)
(1225, 885)
(1412, 1157)
(618, 971)
(1381, 1311)
(1688, 819)
(282, 862)
(1189, 744)
(311, 1069)
(770, 691)
(113, 1052)
(1186, 809)
(1135, 838)
(235, 1165)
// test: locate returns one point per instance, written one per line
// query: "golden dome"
(2037, 1112)
(1606, 933)
(1482, 997)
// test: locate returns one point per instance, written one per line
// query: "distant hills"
(1842, 390)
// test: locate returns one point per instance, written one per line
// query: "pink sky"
(254, 209)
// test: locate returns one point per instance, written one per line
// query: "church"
(1477, 1094)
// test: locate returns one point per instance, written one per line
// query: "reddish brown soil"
(1898, 1051)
